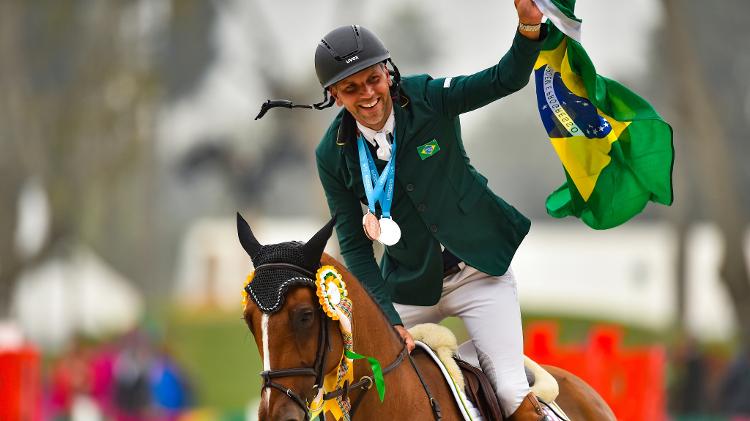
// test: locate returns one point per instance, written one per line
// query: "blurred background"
(128, 144)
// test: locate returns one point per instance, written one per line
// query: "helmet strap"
(285, 103)
(396, 86)
(329, 100)
(326, 102)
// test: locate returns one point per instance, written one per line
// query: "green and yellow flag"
(616, 151)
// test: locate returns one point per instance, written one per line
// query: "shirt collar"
(369, 133)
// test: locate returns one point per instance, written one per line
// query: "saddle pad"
(468, 411)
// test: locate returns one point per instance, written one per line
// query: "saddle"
(462, 365)
(479, 390)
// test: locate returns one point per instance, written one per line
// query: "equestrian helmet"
(345, 51)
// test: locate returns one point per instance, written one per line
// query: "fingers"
(528, 12)
(406, 337)
(409, 342)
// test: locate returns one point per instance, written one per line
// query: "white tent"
(212, 266)
(79, 295)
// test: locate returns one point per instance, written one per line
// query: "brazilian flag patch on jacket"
(428, 149)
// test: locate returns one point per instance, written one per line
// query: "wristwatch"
(529, 28)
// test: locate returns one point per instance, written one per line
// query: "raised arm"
(457, 95)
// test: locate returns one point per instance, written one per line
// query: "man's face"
(366, 96)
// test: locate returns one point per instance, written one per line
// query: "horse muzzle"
(287, 411)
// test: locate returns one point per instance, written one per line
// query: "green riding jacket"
(438, 199)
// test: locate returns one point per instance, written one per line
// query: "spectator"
(132, 394)
(734, 396)
(170, 390)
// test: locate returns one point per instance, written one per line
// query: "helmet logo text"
(351, 59)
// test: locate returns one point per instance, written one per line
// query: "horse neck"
(375, 337)
(373, 334)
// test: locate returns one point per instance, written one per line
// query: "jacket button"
(434, 228)
(410, 187)
(421, 207)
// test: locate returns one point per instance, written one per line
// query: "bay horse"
(299, 344)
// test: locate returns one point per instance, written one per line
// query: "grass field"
(220, 356)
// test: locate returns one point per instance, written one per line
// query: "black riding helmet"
(341, 53)
(345, 51)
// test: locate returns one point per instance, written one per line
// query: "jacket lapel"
(405, 169)
(346, 139)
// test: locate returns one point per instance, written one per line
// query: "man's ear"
(387, 74)
(332, 91)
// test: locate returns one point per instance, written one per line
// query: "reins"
(365, 383)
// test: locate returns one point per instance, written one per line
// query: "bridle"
(316, 370)
(324, 347)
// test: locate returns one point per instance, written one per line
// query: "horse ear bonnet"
(270, 284)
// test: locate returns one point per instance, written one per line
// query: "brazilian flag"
(616, 151)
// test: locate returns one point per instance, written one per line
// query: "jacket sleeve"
(456, 95)
(355, 247)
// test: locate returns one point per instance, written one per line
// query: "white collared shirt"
(379, 138)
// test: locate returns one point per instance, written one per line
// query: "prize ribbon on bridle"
(333, 297)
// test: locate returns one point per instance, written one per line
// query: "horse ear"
(313, 249)
(247, 239)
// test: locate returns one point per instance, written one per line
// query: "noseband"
(324, 347)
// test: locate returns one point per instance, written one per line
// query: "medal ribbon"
(382, 191)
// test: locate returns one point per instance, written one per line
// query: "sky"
(615, 34)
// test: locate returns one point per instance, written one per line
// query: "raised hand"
(527, 11)
(528, 14)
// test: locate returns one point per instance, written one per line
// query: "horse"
(299, 344)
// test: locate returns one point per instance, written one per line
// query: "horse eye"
(307, 316)
(303, 318)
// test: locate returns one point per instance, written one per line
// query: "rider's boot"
(530, 410)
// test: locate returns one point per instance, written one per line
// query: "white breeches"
(488, 306)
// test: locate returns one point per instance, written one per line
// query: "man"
(396, 147)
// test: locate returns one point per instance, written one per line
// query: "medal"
(371, 226)
(378, 188)
(390, 232)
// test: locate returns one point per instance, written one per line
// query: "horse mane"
(349, 278)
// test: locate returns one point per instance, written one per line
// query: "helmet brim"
(364, 64)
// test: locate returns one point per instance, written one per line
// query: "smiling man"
(394, 170)
(366, 95)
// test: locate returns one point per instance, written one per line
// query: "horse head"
(296, 341)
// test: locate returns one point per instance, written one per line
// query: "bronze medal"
(371, 225)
